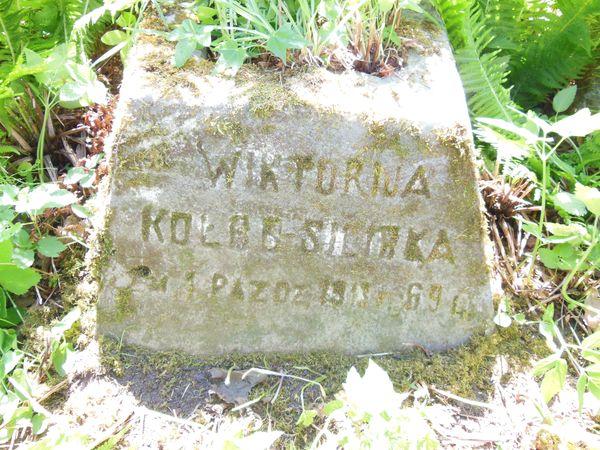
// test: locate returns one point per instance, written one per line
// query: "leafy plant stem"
(544, 157)
(565, 288)
(48, 105)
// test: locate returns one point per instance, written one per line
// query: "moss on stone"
(110, 355)
(465, 371)
(139, 180)
(230, 127)
(155, 157)
(124, 306)
(389, 135)
(105, 252)
(269, 96)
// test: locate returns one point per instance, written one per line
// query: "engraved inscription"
(309, 236)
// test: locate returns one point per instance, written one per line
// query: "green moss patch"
(185, 384)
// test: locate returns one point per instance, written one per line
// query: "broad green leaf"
(6, 249)
(205, 13)
(531, 228)
(66, 323)
(8, 340)
(22, 239)
(283, 39)
(574, 230)
(190, 30)
(42, 197)
(511, 128)
(38, 424)
(23, 257)
(9, 402)
(307, 418)
(55, 72)
(14, 316)
(8, 149)
(61, 353)
(92, 161)
(17, 280)
(332, 406)
(594, 387)
(50, 246)
(183, 51)
(88, 180)
(544, 365)
(562, 256)
(386, 5)
(564, 98)
(10, 360)
(554, 380)
(19, 379)
(2, 306)
(74, 175)
(231, 57)
(9, 232)
(126, 19)
(590, 197)
(114, 37)
(80, 211)
(579, 124)
(569, 203)
(390, 34)
(592, 341)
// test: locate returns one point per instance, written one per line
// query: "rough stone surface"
(296, 212)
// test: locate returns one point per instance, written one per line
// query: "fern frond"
(454, 14)
(483, 73)
(557, 53)
(504, 19)
(11, 34)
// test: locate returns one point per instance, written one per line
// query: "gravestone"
(297, 211)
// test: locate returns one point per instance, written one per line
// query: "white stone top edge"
(426, 92)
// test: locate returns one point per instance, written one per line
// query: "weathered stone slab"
(309, 211)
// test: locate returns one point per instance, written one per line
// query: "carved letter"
(435, 295)
(259, 288)
(418, 183)
(239, 226)
(412, 252)
(225, 168)
(303, 163)
(237, 293)
(267, 175)
(441, 248)
(388, 236)
(354, 167)
(413, 296)
(333, 292)
(205, 227)
(390, 189)
(282, 291)
(148, 222)
(218, 283)
(323, 163)
(186, 218)
(311, 242)
(271, 232)
(189, 278)
(359, 294)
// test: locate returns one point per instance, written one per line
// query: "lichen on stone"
(230, 127)
(123, 303)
